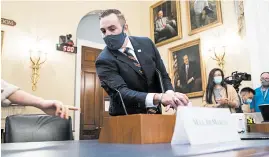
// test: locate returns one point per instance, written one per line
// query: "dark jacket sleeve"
(160, 66)
(196, 70)
(111, 80)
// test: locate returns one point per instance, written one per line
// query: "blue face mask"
(115, 42)
(217, 79)
(248, 101)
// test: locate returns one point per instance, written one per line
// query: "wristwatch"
(160, 100)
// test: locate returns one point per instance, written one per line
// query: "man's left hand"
(54, 107)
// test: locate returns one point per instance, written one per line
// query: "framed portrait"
(186, 69)
(165, 22)
(203, 15)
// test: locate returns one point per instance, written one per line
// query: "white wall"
(257, 45)
(89, 29)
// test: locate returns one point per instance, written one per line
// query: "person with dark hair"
(261, 93)
(219, 94)
(246, 95)
(129, 66)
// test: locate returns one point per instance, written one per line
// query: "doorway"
(92, 96)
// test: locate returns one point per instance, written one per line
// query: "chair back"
(37, 128)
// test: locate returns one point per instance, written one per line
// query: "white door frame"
(80, 43)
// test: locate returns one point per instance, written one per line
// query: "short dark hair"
(264, 73)
(113, 11)
(248, 89)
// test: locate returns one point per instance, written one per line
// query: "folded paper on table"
(200, 125)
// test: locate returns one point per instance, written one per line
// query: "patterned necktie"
(130, 56)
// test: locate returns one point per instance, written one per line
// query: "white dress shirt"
(6, 90)
(150, 96)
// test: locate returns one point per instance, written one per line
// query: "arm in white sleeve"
(150, 96)
(149, 100)
(6, 90)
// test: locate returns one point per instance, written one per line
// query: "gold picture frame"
(210, 17)
(168, 28)
(190, 51)
(2, 38)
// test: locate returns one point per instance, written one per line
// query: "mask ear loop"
(123, 27)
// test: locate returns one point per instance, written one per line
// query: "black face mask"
(265, 83)
(115, 42)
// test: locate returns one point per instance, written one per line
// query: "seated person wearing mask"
(11, 94)
(262, 94)
(219, 94)
(246, 95)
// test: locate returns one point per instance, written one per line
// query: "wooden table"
(263, 127)
(92, 148)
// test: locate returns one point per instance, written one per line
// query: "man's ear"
(125, 28)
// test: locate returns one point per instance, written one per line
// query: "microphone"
(122, 102)
(162, 88)
(160, 79)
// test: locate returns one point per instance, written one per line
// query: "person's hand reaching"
(54, 107)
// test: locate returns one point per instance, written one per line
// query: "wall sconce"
(37, 61)
(219, 58)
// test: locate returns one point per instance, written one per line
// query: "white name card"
(200, 125)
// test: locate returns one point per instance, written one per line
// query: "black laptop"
(256, 135)
(265, 112)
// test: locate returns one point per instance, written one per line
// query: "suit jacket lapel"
(141, 56)
(120, 56)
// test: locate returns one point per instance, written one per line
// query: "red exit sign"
(66, 48)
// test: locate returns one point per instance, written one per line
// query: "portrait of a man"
(165, 22)
(187, 68)
(203, 14)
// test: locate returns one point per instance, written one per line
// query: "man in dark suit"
(190, 76)
(127, 65)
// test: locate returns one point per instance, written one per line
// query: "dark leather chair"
(37, 128)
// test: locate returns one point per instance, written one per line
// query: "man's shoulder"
(139, 39)
(257, 89)
(258, 92)
(105, 54)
